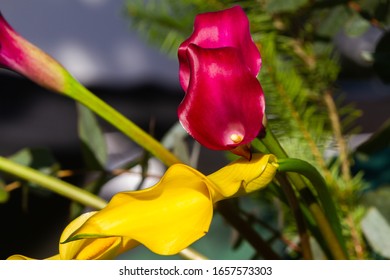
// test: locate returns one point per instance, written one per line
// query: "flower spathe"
(224, 105)
(19, 55)
(178, 210)
(91, 249)
(87, 249)
(226, 28)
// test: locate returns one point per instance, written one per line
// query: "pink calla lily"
(224, 103)
(19, 55)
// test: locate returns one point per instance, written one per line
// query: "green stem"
(332, 234)
(51, 183)
(79, 93)
(298, 215)
(318, 182)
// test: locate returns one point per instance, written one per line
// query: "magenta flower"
(19, 55)
(224, 103)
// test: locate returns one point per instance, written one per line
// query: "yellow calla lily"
(174, 213)
(165, 218)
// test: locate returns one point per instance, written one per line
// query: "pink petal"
(7, 48)
(227, 28)
(19, 55)
(224, 100)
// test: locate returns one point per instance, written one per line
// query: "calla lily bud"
(174, 213)
(19, 55)
(224, 102)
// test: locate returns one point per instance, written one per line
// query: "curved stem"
(328, 231)
(318, 182)
(332, 235)
(298, 215)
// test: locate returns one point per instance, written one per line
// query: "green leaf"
(278, 6)
(37, 158)
(40, 159)
(377, 231)
(331, 21)
(356, 26)
(92, 139)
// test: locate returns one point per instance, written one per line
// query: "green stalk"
(292, 199)
(51, 183)
(332, 234)
(318, 182)
(79, 93)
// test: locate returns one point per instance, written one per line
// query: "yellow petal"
(19, 258)
(166, 218)
(91, 249)
(243, 176)
(24, 258)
